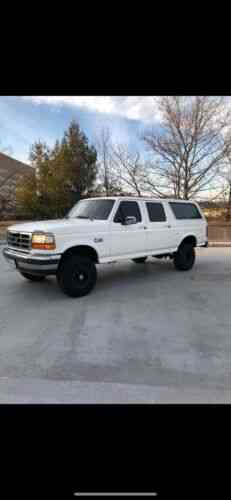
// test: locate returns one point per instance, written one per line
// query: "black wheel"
(77, 276)
(32, 277)
(184, 257)
(140, 260)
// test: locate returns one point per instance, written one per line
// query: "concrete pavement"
(147, 333)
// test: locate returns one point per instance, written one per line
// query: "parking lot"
(147, 333)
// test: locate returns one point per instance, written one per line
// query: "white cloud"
(132, 107)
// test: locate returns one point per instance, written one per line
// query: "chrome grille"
(19, 240)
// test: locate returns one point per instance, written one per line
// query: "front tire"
(77, 276)
(184, 258)
(140, 260)
(32, 277)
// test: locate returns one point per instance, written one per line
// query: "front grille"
(19, 240)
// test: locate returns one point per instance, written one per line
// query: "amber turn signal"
(43, 241)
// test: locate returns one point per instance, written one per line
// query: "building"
(11, 171)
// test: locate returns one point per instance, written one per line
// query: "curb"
(220, 244)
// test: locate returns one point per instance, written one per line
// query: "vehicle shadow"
(112, 280)
(129, 274)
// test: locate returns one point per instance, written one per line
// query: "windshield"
(91, 209)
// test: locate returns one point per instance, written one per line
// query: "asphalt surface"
(147, 333)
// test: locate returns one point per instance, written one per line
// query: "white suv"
(102, 230)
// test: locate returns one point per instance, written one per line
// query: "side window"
(185, 210)
(128, 209)
(156, 212)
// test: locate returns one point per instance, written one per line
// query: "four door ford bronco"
(102, 230)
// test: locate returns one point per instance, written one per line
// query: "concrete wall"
(11, 171)
(219, 231)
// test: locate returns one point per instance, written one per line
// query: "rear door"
(159, 230)
(132, 239)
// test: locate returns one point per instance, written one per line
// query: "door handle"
(169, 226)
(143, 227)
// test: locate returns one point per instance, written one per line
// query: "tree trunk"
(228, 211)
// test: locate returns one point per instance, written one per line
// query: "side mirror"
(130, 220)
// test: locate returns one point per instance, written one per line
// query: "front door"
(131, 239)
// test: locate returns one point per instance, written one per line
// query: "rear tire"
(32, 277)
(184, 258)
(140, 260)
(77, 276)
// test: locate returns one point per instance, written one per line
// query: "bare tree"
(121, 171)
(104, 154)
(107, 174)
(130, 169)
(228, 208)
(225, 175)
(190, 145)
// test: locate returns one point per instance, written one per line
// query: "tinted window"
(92, 209)
(156, 212)
(128, 209)
(185, 210)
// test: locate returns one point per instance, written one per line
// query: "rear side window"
(185, 210)
(128, 209)
(156, 212)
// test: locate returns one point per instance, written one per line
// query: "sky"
(24, 120)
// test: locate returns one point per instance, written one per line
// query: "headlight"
(43, 241)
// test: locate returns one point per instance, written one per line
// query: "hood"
(59, 226)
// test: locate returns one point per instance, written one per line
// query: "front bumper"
(34, 264)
